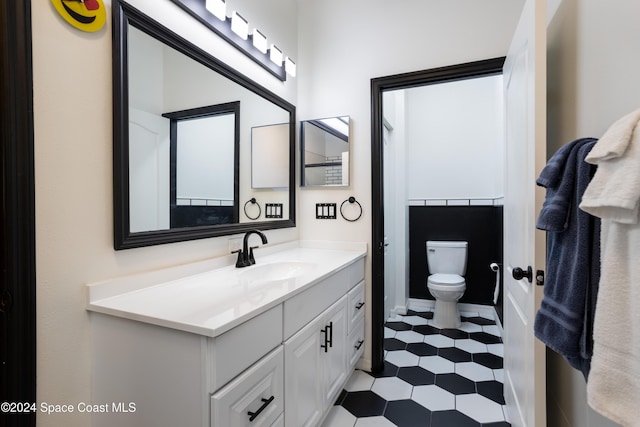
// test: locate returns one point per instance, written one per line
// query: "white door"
(149, 171)
(389, 225)
(524, 246)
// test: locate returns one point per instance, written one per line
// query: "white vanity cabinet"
(282, 365)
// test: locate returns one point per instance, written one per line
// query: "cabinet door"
(334, 360)
(304, 404)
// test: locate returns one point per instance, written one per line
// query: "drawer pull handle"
(359, 344)
(265, 403)
(330, 334)
(359, 305)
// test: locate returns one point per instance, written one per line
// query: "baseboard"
(399, 310)
(421, 304)
(487, 311)
(498, 322)
(364, 364)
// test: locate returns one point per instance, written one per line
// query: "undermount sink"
(275, 271)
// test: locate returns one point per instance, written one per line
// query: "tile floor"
(432, 377)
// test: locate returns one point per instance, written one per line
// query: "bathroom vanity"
(208, 344)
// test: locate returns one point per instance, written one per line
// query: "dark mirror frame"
(125, 15)
(303, 161)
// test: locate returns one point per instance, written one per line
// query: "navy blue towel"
(564, 321)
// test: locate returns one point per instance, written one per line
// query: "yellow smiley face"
(85, 15)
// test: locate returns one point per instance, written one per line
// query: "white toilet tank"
(447, 257)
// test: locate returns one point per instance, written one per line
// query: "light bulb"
(239, 25)
(259, 41)
(218, 8)
(275, 55)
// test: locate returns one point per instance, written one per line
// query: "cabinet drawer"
(356, 304)
(355, 344)
(255, 398)
(304, 307)
(356, 272)
(236, 350)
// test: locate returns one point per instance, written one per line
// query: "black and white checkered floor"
(432, 377)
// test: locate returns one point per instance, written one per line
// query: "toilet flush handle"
(519, 274)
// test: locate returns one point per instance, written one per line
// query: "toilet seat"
(445, 279)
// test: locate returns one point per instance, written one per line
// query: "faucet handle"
(240, 262)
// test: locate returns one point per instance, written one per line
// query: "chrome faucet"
(245, 255)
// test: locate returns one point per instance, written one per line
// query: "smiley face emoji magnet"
(85, 15)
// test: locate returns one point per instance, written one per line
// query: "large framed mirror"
(324, 152)
(184, 128)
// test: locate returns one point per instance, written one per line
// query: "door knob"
(518, 273)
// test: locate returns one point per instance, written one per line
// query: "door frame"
(379, 85)
(17, 234)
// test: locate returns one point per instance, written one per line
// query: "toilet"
(447, 262)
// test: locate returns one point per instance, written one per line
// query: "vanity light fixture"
(239, 25)
(290, 66)
(235, 30)
(218, 8)
(275, 55)
(259, 41)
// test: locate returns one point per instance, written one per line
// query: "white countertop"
(211, 297)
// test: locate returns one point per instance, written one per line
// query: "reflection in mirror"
(163, 193)
(204, 147)
(325, 151)
(269, 166)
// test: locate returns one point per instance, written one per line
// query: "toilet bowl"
(447, 262)
(447, 289)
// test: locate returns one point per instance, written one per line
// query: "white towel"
(613, 388)
(614, 191)
(616, 139)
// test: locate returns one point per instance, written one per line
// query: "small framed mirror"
(324, 148)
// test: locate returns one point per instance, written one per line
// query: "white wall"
(455, 140)
(343, 44)
(73, 172)
(592, 81)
